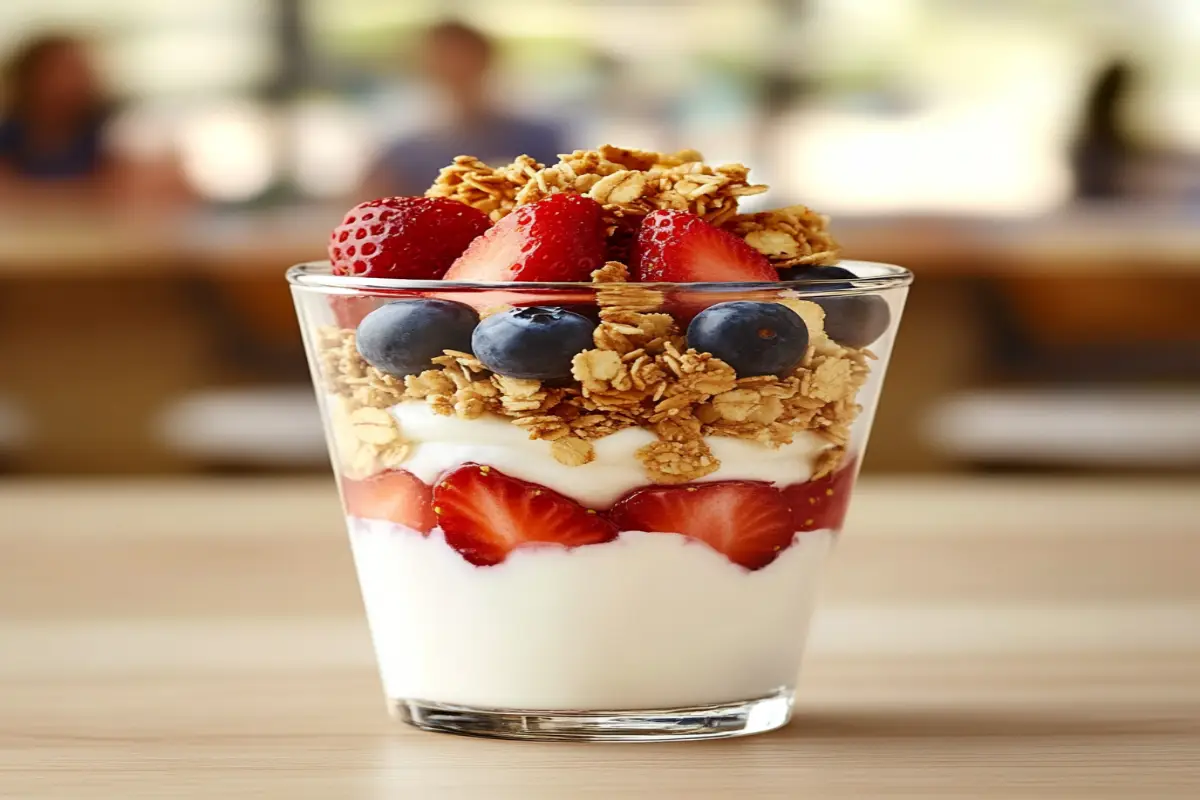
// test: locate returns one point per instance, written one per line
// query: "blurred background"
(1035, 162)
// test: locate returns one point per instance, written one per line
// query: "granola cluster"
(788, 236)
(492, 190)
(631, 183)
(639, 372)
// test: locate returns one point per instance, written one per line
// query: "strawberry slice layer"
(679, 247)
(486, 514)
(396, 496)
(749, 522)
(558, 238)
(822, 504)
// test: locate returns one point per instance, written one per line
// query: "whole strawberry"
(404, 237)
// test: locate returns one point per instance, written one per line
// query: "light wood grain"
(976, 640)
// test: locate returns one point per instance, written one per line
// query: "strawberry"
(404, 237)
(821, 504)
(396, 496)
(558, 238)
(485, 515)
(678, 247)
(749, 522)
(492, 299)
(349, 310)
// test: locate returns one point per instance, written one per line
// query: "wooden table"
(976, 640)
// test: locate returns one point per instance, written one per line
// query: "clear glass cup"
(641, 634)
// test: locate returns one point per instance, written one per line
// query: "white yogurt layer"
(443, 443)
(650, 620)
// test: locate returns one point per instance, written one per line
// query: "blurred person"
(1102, 154)
(53, 122)
(457, 61)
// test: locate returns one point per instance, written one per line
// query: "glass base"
(651, 725)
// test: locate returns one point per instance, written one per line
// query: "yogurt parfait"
(595, 432)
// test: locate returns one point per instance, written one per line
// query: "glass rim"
(318, 275)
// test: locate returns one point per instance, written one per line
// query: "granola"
(367, 439)
(492, 190)
(669, 462)
(631, 183)
(573, 451)
(788, 236)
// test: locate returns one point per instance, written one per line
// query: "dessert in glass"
(595, 432)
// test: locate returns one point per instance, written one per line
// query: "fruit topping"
(488, 301)
(821, 504)
(558, 238)
(403, 337)
(807, 272)
(752, 337)
(485, 515)
(537, 342)
(748, 522)
(349, 310)
(850, 320)
(855, 320)
(678, 247)
(404, 237)
(396, 496)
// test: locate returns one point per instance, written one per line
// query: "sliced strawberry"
(404, 237)
(749, 522)
(559, 238)
(822, 504)
(396, 496)
(485, 515)
(678, 247)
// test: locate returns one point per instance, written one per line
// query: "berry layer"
(439, 444)
(648, 620)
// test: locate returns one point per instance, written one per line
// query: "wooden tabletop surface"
(977, 639)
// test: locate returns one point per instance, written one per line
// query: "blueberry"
(537, 342)
(850, 320)
(589, 310)
(403, 338)
(807, 272)
(855, 320)
(753, 338)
